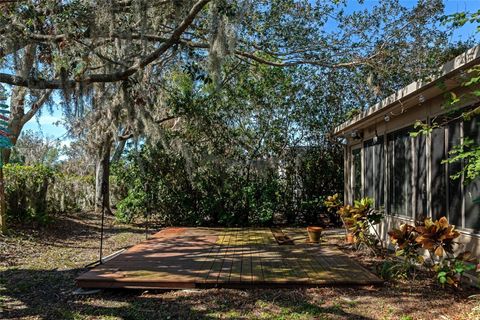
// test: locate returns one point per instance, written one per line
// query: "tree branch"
(288, 63)
(35, 107)
(38, 83)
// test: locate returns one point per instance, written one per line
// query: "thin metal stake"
(101, 234)
(146, 227)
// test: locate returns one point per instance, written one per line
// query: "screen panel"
(357, 173)
(379, 173)
(421, 177)
(368, 168)
(438, 171)
(390, 172)
(374, 170)
(472, 189)
(407, 188)
(400, 173)
(455, 197)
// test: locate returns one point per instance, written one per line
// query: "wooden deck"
(177, 258)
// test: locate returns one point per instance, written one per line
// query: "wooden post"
(3, 211)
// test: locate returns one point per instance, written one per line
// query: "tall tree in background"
(34, 148)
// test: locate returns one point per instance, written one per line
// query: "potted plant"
(314, 233)
(335, 205)
(346, 214)
(360, 220)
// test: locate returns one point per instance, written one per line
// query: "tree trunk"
(15, 129)
(3, 204)
(102, 176)
(119, 150)
(15, 125)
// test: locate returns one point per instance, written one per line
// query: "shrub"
(130, 207)
(216, 191)
(438, 239)
(358, 219)
(450, 270)
(361, 219)
(26, 189)
(437, 236)
(34, 193)
(392, 269)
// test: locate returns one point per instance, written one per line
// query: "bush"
(34, 193)
(216, 191)
(130, 207)
(26, 189)
(438, 238)
(359, 220)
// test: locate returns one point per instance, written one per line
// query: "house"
(405, 174)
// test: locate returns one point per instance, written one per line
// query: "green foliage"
(168, 188)
(359, 219)
(468, 153)
(352, 113)
(437, 238)
(395, 269)
(450, 271)
(35, 193)
(459, 19)
(422, 128)
(160, 184)
(26, 190)
(130, 207)
(310, 175)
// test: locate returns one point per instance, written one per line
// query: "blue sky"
(46, 122)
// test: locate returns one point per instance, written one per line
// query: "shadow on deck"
(177, 258)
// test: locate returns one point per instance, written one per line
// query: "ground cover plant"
(438, 239)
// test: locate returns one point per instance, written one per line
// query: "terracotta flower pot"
(350, 238)
(314, 234)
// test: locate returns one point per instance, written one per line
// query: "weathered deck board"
(208, 257)
(236, 270)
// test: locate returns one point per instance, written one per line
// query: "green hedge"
(164, 186)
(35, 193)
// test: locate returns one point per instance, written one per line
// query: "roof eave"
(466, 60)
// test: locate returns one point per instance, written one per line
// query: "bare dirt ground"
(38, 268)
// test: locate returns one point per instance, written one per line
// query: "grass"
(38, 268)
